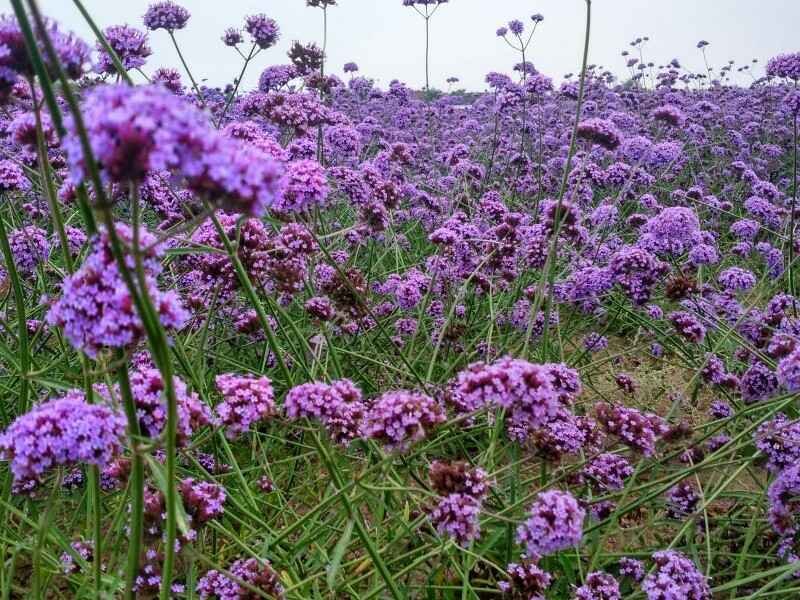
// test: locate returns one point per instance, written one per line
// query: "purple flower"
(350, 67)
(675, 578)
(232, 37)
(246, 400)
(736, 278)
(779, 440)
(338, 406)
(129, 44)
(203, 500)
(399, 418)
(607, 472)
(263, 30)
(169, 78)
(682, 500)
(598, 586)
(526, 390)
(65, 431)
(555, 523)
(688, 326)
(165, 15)
(30, 248)
(526, 581)
(637, 430)
(275, 77)
(785, 65)
(457, 478)
(306, 188)
(95, 309)
(669, 114)
(12, 177)
(257, 573)
(788, 371)
(630, 567)
(601, 132)
(456, 516)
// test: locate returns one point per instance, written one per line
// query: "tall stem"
(427, 51)
(187, 69)
(137, 480)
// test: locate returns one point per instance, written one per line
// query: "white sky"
(386, 39)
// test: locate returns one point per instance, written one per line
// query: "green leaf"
(338, 553)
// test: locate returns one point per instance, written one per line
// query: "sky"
(387, 39)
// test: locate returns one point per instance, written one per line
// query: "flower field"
(326, 339)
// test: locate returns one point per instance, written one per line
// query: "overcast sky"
(386, 39)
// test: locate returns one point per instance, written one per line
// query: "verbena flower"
(61, 432)
(247, 400)
(555, 523)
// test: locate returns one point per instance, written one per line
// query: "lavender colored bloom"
(203, 500)
(516, 27)
(758, 383)
(670, 115)
(672, 231)
(785, 66)
(246, 400)
(338, 406)
(232, 37)
(276, 76)
(526, 390)
(306, 187)
(12, 177)
(637, 430)
(555, 523)
(129, 44)
(456, 516)
(598, 586)
(458, 478)
(607, 472)
(594, 342)
(526, 581)
(65, 431)
(30, 248)
(400, 418)
(257, 573)
(688, 326)
(720, 409)
(788, 371)
(779, 440)
(675, 578)
(736, 278)
(169, 78)
(95, 309)
(84, 550)
(601, 132)
(165, 15)
(263, 30)
(682, 500)
(630, 567)
(350, 67)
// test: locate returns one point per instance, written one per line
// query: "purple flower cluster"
(65, 431)
(203, 500)
(165, 15)
(555, 523)
(246, 400)
(256, 573)
(399, 418)
(134, 131)
(599, 586)
(675, 577)
(338, 406)
(96, 310)
(635, 429)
